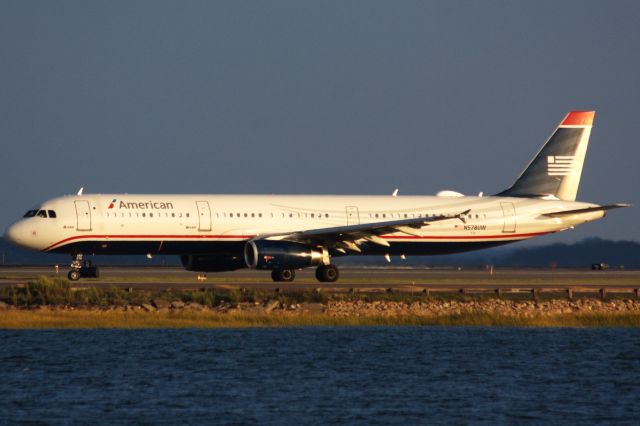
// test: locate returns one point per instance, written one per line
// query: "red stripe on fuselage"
(150, 237)
(246, 237)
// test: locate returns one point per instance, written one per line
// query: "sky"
(331, 97)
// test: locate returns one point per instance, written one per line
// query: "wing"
(342, 238)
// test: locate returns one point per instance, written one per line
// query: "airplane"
(285, 233)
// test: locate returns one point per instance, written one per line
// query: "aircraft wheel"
(275, 276)
(283, 275)
(73, 275)
(288, 274)
(327, 273)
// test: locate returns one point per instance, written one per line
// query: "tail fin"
(555, 171)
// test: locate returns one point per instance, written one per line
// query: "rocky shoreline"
(378, 308)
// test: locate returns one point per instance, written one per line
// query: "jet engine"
(274, 255)
(211, 263)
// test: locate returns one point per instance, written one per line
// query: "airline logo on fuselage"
(560, 165)
(142, 205)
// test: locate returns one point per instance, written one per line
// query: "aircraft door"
(509, 213)
(204, 216)
(353, 217)
(83, 214)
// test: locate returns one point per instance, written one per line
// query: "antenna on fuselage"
(395, 193)
(80, 190)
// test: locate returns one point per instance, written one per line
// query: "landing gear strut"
(283, 275)
(327, 273)
(82, 269)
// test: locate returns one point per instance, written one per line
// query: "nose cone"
(28, 233)
(12, 234)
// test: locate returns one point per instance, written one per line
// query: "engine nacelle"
(268, 254)
(211, 263)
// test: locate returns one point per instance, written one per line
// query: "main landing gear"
(324, 274)
(286, 275)
(82, 269)
(327, 273)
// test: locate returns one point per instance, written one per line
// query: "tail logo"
(560, 165)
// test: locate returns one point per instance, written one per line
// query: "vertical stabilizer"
(555, 171)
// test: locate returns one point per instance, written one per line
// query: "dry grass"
(44, 318)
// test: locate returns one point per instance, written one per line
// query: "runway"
(351, 279)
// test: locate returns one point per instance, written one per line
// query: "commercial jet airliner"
(285, 233)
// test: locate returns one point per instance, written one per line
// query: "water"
(321, 376)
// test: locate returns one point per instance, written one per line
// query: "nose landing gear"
(82, 269)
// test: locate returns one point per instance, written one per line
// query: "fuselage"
(282, 233)
(222, 224)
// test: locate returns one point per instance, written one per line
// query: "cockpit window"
(51, 213)
(30, 213)
(42, 213)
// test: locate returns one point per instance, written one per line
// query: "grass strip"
(91, 319)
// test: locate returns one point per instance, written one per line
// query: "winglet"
(462, 215)
(579, 118)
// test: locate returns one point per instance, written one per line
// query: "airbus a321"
(285, 233)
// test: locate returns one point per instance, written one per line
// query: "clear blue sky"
(313, 97)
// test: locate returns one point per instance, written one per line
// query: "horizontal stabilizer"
(587, 210)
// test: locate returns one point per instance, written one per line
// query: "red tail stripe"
(579, 118)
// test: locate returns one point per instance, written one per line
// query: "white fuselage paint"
(215, 219)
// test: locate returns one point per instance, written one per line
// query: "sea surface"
(369, 375)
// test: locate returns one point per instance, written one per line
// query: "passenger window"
(144, 215)
(187, 214)
(150, 214)
(259, 214)
(326, 215)
(42, 213)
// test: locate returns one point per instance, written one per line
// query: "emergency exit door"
(509, 213)
(204, 216)
(83, 214)
(353, 217)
